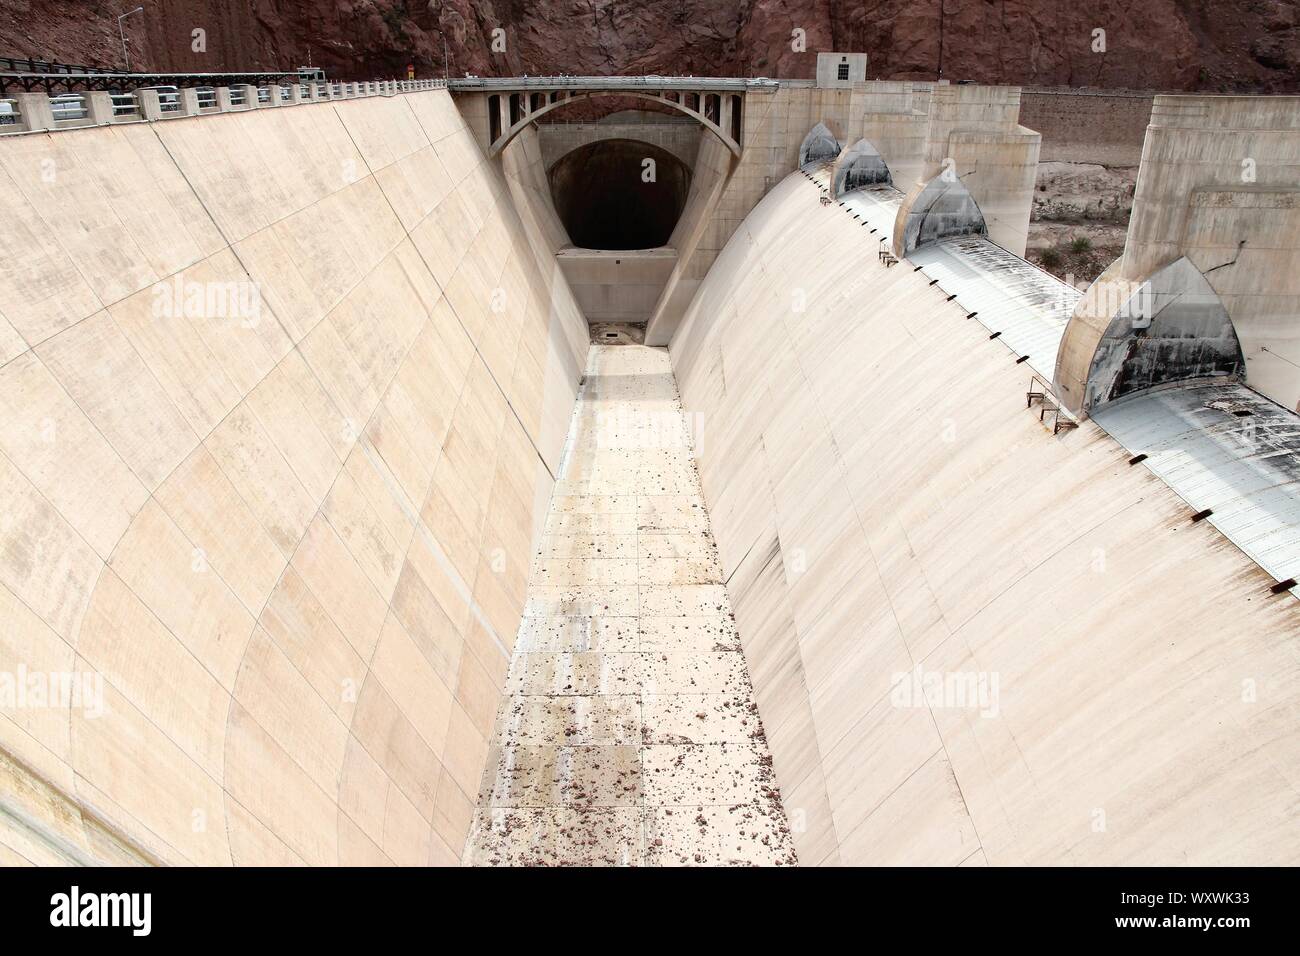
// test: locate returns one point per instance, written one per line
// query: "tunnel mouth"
(619, 194)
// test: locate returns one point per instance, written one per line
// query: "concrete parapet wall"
(281, 397)
(972, 641)
(618, 286)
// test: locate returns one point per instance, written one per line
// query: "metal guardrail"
(76, 79)
(631, 83)
(125, 104)
(1040, 390)
(32, 75)
(69, 107)
(12, 64)
(36, 111)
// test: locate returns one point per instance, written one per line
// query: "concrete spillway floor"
(629, 733)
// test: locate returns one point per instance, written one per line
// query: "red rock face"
(1214, 45)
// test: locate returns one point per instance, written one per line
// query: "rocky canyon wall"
(1239, 45)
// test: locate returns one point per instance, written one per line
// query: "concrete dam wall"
(329, 536)
(282, 393)
(1116, 685)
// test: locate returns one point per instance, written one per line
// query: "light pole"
(122, 33)
(941, 13)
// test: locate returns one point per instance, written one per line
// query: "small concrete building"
(841, 69)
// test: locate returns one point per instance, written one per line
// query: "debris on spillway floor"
(629, 734)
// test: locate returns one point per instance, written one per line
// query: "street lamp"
(122, 33)
(942, 12)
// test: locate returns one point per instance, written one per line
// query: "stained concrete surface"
(293, 545)
(629, 734)
(887, 510)
(298, 550)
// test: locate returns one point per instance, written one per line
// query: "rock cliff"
(1214, 45)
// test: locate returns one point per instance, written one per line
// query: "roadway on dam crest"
(628, 733)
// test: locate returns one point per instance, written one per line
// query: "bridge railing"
(647, 82)
(42, 112)
(12, 64)
(125, 106)
(68, 108)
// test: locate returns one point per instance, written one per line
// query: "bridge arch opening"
(619, 194)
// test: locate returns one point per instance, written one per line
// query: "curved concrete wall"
(292, 537)
(525, 172)
(709, 180)
(972, 641)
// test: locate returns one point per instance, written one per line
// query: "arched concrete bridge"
(513, 103)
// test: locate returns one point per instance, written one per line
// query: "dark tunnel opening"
(609, 197)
